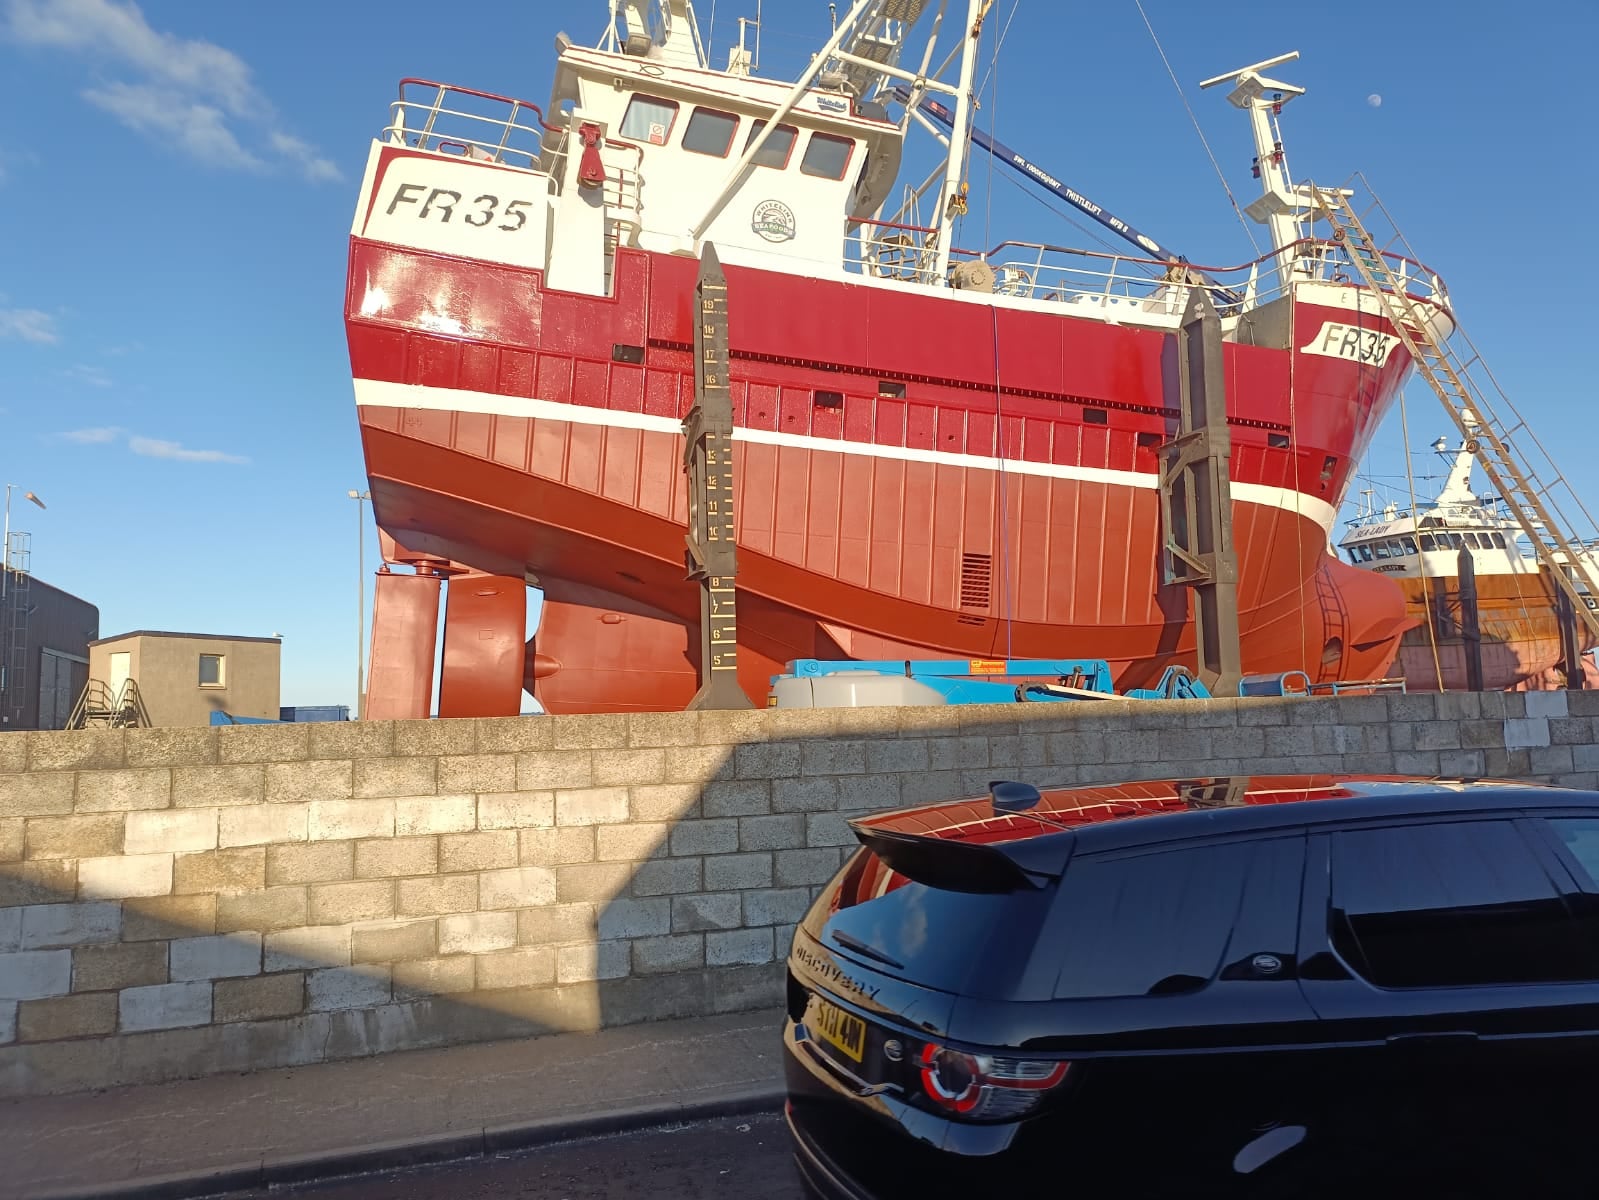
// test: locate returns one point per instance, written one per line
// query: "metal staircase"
(1532, 491)
(98, 706)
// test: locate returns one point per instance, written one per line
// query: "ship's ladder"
(1531, 497)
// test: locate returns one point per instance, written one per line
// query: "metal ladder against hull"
(1530, 498)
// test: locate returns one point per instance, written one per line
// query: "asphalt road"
(739, 1158)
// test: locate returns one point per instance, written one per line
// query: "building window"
(212, 673)
(710, 132)
(777, 148)
(827, 157)
(649, 120)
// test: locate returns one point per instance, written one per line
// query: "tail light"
(983, 1087)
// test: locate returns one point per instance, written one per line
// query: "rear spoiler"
(1028, 864)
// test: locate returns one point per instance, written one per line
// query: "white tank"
(852, 689)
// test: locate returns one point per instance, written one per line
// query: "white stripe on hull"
(377, 393)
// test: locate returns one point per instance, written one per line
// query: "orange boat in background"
(939, 453)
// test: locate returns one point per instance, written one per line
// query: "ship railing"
(447, 119)
(1112, 283)
(892, 250)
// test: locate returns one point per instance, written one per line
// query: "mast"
(1282, 206)
(953, 204)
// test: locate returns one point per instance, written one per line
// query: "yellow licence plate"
(841, 1029)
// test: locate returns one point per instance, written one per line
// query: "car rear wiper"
(860, 947)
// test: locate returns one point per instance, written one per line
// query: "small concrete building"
(182, 678)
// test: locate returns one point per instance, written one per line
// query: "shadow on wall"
(176, 903)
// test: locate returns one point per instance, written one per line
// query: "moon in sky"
(1374, 100)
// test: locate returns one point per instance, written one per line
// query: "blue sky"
(177, 179)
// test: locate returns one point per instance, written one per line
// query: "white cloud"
(28, 325)
(315, 168)
(156, 448)
(84, 373)
(99, 436)
(199, 129)
(149, 447)
(187, 92)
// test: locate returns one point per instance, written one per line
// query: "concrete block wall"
(180, 902)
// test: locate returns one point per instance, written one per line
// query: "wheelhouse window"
(649, 119)
(1410, 544)
(778, 148)
(827, 157)
(710, 132)
(1365, 553)
(1428, 542)
(213, 670)
(1380, 549)
(1499, 542)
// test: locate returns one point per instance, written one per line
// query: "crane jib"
(1044, 179)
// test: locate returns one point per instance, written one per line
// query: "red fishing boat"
(939, 452)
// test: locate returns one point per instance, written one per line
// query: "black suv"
(1231, 987)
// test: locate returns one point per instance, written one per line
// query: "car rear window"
(1451, 904)
(1165, 922)
(972, 943)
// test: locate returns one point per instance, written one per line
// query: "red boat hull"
(505, 429)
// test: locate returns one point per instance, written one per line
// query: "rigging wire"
(1231, 199)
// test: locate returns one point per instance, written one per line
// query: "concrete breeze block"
(519, 887)
(778, 906)
(8, 1022)
(125, 790)
(530, 967)
(623, 918)
(664, 802)
(13, 840)
(112, 968)
(218, 787)
(478, 851)
(626, 843)
(414, 815)
(92, 1015)
(628, 767)
(308, 948)
(338, 820)
(313, 862)
(724, 872)
(388, 858)
(10, 930)
(296, 781)
(429, 977)
(95, 836)
(259, 999)
(705, 837)
(36, 795)
(164, 1006)
(393, 941)
(551, 847)
(693, 914)
(341, 903)
(272, 908)
(592, 961)
(162, 917)
(436, 895)
(591, 806)
(667, 877)
(477, 933)
(661, 955)
(516, 810)
(478, 773)
(35, 974)
(805, 867)
(51, 926)
(46, 882)
(261, 824)
(219, 870)
(170, 830)
(340, 988)
(220, 956)
(546, 771)
(742, 946)
(128, 875)
(395, 777)
(785, 832)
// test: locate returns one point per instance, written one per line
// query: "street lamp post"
(360, 601)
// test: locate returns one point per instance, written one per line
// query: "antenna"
(1254, 69)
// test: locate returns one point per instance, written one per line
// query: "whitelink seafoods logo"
(774, 221)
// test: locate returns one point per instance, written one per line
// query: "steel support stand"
(1196, 497)
(712, 555)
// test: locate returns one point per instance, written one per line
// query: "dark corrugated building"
(44, 652)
